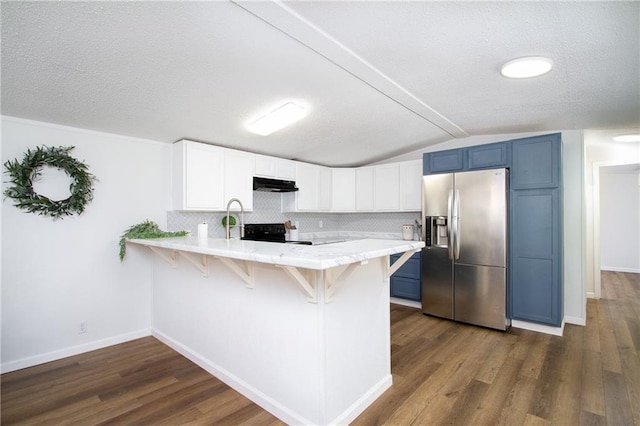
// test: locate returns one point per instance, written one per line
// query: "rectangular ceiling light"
(277, 119)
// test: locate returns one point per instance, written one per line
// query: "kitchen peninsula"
(303, 331)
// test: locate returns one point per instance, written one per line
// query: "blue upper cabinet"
(451, 160)
(535, 162)
(488, 156)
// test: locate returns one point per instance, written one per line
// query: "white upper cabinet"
(198, 173)
(238, 178)
(365, 189)
(206, 177)
(307, 198)
(286, 169)
(387, 187)
(343, 190)
(275, 168)
(324, 201)
(314, 194)
(411, 185)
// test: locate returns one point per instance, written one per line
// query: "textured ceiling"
(379, 78)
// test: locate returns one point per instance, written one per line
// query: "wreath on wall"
(24, 173)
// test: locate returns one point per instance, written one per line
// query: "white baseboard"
(575, 320)
(74, 350)
(264, 401)
(405, 302)
(620, 269)
(591, 295)
(361, 404)
(540, 328)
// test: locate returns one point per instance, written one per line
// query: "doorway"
(606, 233)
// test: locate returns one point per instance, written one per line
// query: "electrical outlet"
(320, 224)
(82, 327)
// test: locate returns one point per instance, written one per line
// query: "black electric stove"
(268, 232)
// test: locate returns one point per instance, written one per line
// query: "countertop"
(297, 255)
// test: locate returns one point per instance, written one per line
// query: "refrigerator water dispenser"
(436, 231)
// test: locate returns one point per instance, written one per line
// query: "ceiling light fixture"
(532, 66)
(631, 137)
(277, 119)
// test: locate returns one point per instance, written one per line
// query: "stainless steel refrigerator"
(464, 262)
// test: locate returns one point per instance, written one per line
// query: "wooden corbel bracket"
(307, 288)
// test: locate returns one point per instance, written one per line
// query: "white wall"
(56, 274)
(619, 220)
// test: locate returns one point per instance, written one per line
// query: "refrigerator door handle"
(449, 229)
(456, 224)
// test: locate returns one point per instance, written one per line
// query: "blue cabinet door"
(487, 156)
(536, 162)
(536, 256)
(405, 288)
(405, 282)
(451, 160)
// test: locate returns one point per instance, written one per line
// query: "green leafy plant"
(232, 221)
(23, 173)
(144, 230)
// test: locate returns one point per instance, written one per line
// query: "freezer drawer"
(481, 295)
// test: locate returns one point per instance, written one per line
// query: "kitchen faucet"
(241, 218)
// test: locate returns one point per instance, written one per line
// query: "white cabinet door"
(324, 196)
(365, 189)
(411, 185)
(308, 181)
(314, 189)
(238, 178)
(343, 190)
(198, 173)
(387, 184)
(286, 169)
(265, 166)
(274, 167)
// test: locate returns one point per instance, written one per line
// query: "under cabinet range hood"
(273, 185)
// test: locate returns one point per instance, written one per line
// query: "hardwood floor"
(443, 373)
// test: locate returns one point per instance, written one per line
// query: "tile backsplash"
(267, 208)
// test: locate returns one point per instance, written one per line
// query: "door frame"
(597, 284)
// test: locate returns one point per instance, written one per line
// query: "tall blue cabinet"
(536, 230)
(535, 217)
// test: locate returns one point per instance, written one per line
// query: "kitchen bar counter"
(303, 331)
(320, 257)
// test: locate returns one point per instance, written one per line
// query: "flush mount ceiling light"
(277, 119)
(631, 137)
(531, 66)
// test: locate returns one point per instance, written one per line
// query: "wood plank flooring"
(443, 373)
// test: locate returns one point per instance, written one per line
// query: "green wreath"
(24, 173)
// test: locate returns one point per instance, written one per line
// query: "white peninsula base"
(318, 355)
